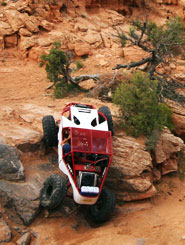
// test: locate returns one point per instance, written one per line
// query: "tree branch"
(168, 88)
(133, 64)
(82, 78)
(142, 33)
(136, 42)
(76, 80)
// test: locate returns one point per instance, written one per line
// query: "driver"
(66, 144)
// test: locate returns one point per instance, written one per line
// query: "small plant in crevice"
(3, 3)
(41, 64)
(79, 64)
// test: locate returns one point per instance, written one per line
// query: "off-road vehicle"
(85, 158)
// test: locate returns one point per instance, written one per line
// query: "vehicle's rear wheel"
(50, 130)
(107, 113)
(102, 210)
(53, 191)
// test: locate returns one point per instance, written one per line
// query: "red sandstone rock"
(166, 151)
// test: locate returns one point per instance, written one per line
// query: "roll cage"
(91, 145)
(91, 151)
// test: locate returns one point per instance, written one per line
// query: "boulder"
(82, 49)
(106, 40)
(27, 42)
(24, 8)
(43, 12)
(25, 239)
(11, 41)
(130, 157)
(93, 37)
(32, 24)
(133, 53)
(103, 62)
(48, 26)
(56, 35)
(5, 232)
(20, 135)
(1, 45)
(130, 196)
(20, 200)
(82, 24)
(11, 167)
(116, 18)
(25, 32)
(180, 76)
(178, 118)
(131, 170)
(5, 29)
(44, 41)
(15, 19)
(24, 134)
(179, 121)
(81, 27)
(36, 52)
(166, 151)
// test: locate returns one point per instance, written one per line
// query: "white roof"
(85, 118)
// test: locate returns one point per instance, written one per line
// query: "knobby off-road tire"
(102, 210)
(50, 131)
(53, 191)
(107, 113)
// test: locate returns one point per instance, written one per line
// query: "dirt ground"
(160, 220)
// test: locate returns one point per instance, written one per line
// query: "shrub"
(56, 62)
(161, 44)
(58, 71)
(139, 106)
(79, 64)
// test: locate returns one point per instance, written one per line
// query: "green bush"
(139, 106)
(58, 71)
(56, 62)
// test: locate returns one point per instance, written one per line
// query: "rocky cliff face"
(83, 28)
(22, 22)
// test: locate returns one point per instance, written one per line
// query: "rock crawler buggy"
(86, 162)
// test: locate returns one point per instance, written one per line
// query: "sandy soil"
(160, 220)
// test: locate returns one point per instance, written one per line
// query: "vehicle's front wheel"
(107, 113)
(102, 210)
(53, 191)
(50, 130)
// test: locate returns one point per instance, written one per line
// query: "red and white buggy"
(86, 162)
